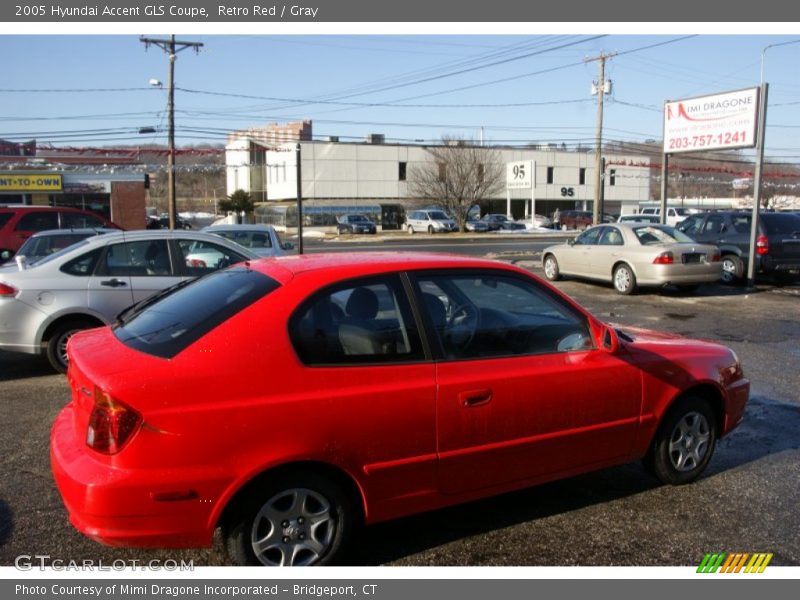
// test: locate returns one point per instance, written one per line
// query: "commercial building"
(108, 183)
(373, 177)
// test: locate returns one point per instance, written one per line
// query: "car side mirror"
(287, 246)
(607, 339)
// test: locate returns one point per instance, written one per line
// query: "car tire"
(684, 443)
(732, 269)
(430, 229)
(316, 519)
(551, 270)
(411, 229)
(624, 280)
(57, 342)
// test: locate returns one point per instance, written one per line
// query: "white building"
(374, 173)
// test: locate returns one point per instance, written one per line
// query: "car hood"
(639, 336)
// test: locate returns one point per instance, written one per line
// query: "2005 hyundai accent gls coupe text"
(288, 401)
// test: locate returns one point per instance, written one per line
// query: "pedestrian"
(557, 219)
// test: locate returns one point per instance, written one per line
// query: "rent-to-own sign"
(31, 182)
(519, 175)
(714, 122)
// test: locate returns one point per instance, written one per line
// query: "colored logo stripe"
(735, 562)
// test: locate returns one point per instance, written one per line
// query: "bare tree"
(457, 176)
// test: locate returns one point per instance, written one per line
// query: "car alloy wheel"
(430, 229)
(624, 280)
(731, 268)
(57, 344)
(411, 230)
(551, 268)
(688, 443)
(299, 518)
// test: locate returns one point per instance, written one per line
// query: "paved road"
(747, 501)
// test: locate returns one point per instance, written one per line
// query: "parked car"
(19, 222)
(420, 381)
(355, 224)
(432, 221)
(162, 222)
(476, 226)
(87, 284)
(497, 222)
(675, 214)
(632, 255)
(261, 239)
(47, 242)
(575, 219)
(539, 221)
(639, 218)
(777, 244)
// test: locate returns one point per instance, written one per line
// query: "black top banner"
(464, 11)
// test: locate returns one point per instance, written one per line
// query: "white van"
(675, 214)
(432, 221)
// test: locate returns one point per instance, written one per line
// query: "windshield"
(650, 235)
(357, 218)
(438, 215)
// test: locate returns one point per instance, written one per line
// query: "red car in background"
(19, 222)
(287, 401)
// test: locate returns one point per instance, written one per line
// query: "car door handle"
(113, 282)
(475, 398)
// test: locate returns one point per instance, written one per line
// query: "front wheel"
(411, 229)
(684, 443)
(430, 229)
(551, 268)
(299, 519)
(624, 280)
(732, 269)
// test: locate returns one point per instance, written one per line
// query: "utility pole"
(171, 46)
(299, 176)
(601, 89)
(762, 132)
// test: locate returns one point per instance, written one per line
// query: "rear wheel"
(430, 229)
(684, 443)
(624, 280)
(732, 269)
(551, 268)
(299, 519)
(57, 343)
(411, 229)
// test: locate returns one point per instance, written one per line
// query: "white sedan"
(635, 254)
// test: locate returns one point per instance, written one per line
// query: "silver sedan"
(89, 283)
(635, 254)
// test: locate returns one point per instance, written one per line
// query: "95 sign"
(519, 175)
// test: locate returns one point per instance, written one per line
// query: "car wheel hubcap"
(689, 442)
(728, 270)
(550, 268)
(295, 527)
(61, 345)
(622, 279)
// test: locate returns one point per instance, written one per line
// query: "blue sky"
(549, 107)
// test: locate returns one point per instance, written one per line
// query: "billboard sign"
(30, 182)
(718, 122)
(519, 175)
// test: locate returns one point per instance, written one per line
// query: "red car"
(289, 400)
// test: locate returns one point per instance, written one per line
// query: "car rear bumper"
(680, 274)
(140, 507)
(771, 264)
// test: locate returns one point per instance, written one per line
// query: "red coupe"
(287, 401)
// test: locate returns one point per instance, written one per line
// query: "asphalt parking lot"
(747, 500)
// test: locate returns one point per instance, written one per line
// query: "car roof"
(78, 231)
(237, 226)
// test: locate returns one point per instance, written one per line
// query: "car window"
(38, 221)
(167, 326)
(36, 248)
(780, 224)
(438, 215)
(714, 224)
(588, 237)
(611, 236)
(137, 259)
(741, 223)
(5, 218)
(201, 257)
(363, 322)
(79, 221)
(691, 225)
(486, 315)
(82, 266)
(248, 239)
(650, 235)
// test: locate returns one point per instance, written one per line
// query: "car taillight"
(716, 256)
(111, 424)
(665, 258)
(7, 290)
(196, 263)
(762, 244)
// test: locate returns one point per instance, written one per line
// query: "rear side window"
(83, 266)
(780, 224)
(38, 221)
(367, 321)
(168, 324)
(4, 218)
